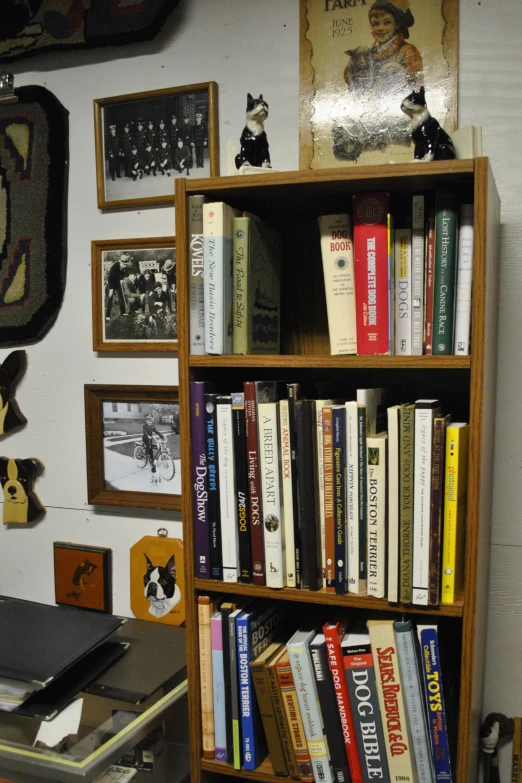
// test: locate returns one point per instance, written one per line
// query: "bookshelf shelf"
(292, 201)
(326, 599)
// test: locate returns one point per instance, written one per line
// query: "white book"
(319, 461)
(269, 470)
(373, 400)
(339, 282)
(425, 412)
(403, 318)
(464, 281)
(352, 496)
(288, 498)
(393, 502)
(376, 513)
(417, 277)
(227, 489)
(217, 276)
(196, 293)
(308, 700)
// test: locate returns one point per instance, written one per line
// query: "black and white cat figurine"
(430, 140)
(254, 143)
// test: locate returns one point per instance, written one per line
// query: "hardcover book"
(240, 470)
(455, 507)
(403, 293)
(257, 286)
(200, 478)
(393, 502)
(287, 492)
(258, 668)
(288, 692)
(464, 281)
(329, 515)
(196, 294)
(218, 687)
(406, 441)
(339, 282)
(293, 395)
(214, 513)
(226, 609)
(376, 513)
(311, 572)
(283, 725)
(318, 456)
(356, 584)
(437, 498)
(430, 282)
(273, 512)
(206, 608)
(227, 488)
(444, 285)
(417, 280)
(339, 478)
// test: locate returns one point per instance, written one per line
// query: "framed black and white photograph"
(145, 140)
(133, 446)
(134, 303)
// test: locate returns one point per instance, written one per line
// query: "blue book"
(200, 478)
(255, 630)
(218, 686)
(339, 472)
(432, 678)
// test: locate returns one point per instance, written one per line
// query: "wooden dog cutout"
(11, 371)
(21, 503)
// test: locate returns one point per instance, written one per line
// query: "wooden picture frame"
(119, 471)
(83, 576)
(353, 79)
(128, 178)
(138, 276)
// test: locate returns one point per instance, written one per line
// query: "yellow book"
(455, 503)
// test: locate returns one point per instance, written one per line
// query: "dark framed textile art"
(34, 152)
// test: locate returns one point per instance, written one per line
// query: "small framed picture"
(83, 576)
(147, 139)
(133, 447)
(134, 304)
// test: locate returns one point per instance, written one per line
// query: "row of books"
(347, 702)
(360, 496)
(235, 262)
(404, 291)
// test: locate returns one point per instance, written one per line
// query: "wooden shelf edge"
(380, 362)
(264, 772)
(326, 599)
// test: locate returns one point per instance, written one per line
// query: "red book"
(254, 484)
(329, 515)
(370, 248)
(430, 279)
(333, 633)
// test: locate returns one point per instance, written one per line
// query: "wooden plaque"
(157, 580)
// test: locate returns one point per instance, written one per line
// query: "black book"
(309, 523)
(241, 473)
(214, 514)
(329, 709)
(293, 396)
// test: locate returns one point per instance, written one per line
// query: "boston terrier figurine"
(430, 140)
(161, 588)
(254, 143)
(21, 503)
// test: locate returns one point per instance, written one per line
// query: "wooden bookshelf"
(292, 201)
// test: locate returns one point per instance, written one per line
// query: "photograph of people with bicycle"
(141, 451)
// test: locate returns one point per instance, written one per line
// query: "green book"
(446, 216)
(406, 457)
(256, 305)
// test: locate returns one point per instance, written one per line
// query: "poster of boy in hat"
(359, 60)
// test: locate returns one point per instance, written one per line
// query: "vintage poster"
(358, 60)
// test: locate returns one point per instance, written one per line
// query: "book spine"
(437, 494)
(370, 241)
(362, 498)
(248, 744)
(214, 515)
(339, 477)
(226, 609)
(311, 576)
(352, 496)
(339, 282)
(430, 282)
(218, 683)
(318, 454)
(329, 515)
(444, 286)
(424, 415)
(417, 251)
(329, 711)
(254, 484)
(393, 503)
(205, 676)
(403, 292)
(391, 284)
(455, 497)
(235, 709)
(360, 676)
(333, 635)
(377, 514)
(464, 281)
(282, 721)
(241, 314)
(406, 439)
(432, 678)
(289, 697)
(200, 478)
(293, 395)
(515, 754)
(307, 698)
(196, 295)
(414, 701)
(227, 488)
(266, 708)
(390, 691)
(273, 522)
(288, 500)
(242, 504)
(217, 277)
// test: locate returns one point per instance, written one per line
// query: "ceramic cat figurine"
(254, 143)
(430, 140)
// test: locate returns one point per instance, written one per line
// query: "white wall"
(248, 45)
